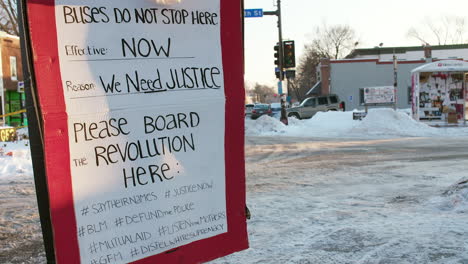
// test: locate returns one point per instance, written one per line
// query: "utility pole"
(395, 80)
(283, 117)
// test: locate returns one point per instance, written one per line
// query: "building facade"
(375, 67)
(11, 78)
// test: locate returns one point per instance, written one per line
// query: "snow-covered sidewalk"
(392, 201)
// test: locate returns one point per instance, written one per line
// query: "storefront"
(439, 92)
(11, 82)
(14, 102)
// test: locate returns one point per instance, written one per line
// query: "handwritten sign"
(144, 107)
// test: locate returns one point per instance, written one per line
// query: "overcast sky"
(374, 21)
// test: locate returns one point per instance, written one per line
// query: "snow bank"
(454, 198)
(322, 124)
(389, 122)
(15, 158)
(264, 125)
(378, 123)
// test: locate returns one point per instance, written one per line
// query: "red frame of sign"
(43, 35)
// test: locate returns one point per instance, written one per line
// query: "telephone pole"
(395, 80)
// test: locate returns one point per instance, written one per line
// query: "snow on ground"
(384, 201)
(325, 190)
(20, 232)
(454, 198)
(15, 158)
(378, 123)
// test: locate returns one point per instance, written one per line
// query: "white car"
(248, 109)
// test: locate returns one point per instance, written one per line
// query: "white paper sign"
(144, 91)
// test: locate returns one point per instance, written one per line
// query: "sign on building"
(20, 88)
(143, 131)
(379, 95)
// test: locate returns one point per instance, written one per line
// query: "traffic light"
(289, 54)
(276, 48)
(290, 74)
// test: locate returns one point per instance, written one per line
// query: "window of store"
(410, 95)
(361, 96)
(13, 69)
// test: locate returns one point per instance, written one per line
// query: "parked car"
(248, 109)
(275, 108)
(261, 109)
(310, 106)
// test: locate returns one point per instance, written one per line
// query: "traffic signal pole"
(280, 41)
(395, 80)
(283, 117)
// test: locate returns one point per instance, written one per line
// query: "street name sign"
(253, 12)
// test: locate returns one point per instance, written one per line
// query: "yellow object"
(13, 113)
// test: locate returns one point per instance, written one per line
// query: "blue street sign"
(280, 88)
(253, 12)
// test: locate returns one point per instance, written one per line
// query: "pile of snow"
(377, 123)
(390, 122)
(454, 198)
(22, 133)
(263, 126)
(15, 158)
(322, 124)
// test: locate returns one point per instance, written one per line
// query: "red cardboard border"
(41, 17)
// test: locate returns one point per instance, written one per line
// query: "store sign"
(137, 158)
(379, 95)
(8, 134)
(450, 64)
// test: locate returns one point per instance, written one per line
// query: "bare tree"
(413, 33)
(335, 41)
(263, 93)
(306, 72)
(443, 31)
(9, 17)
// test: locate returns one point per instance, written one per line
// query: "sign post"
(395, 80)
(142, 130)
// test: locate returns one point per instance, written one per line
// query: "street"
(316, 200)
(355, 201)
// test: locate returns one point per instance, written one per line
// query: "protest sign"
(142, 112)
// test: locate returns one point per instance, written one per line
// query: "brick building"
(11, 78)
